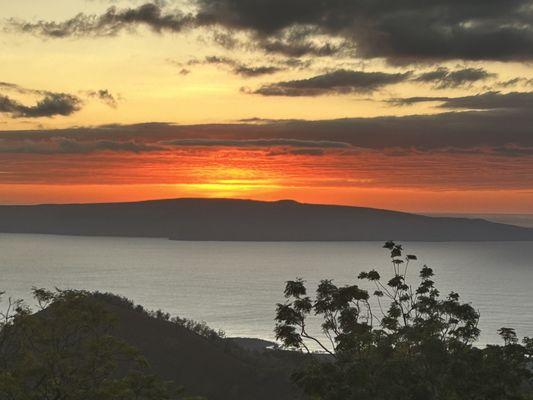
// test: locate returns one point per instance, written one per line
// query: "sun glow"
(219, 178)
(229, 188)
(366, 178)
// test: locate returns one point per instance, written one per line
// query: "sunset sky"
(416, 105)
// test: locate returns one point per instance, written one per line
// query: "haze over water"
(235, 286)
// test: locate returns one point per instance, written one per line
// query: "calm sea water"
(235, 286)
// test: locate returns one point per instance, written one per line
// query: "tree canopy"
(399, 342)
(65, 351)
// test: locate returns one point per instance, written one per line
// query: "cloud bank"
(505, 122)
(401, 32)
(52, 104)
(522, 101)
(443, 78)
(336, 82)
(237, 67)
(110, 23)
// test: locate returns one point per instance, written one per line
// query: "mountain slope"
(245, 220)
(215, 369)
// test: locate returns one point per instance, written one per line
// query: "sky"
(415, 105)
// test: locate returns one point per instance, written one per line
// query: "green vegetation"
(65, 352)
(199, 328)
(400, 342)
(81, 345)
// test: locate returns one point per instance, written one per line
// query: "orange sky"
(447, 183)
(268, 102)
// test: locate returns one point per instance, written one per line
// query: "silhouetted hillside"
(76, 326)
(217, 369)
(245, 220)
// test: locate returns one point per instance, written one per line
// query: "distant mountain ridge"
(248, 220)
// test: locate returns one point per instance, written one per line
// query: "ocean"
(235, 286)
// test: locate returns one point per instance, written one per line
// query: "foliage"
(400, 342)
(199, 328)
(66, 351)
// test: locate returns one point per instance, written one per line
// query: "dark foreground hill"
(217, 369)
(82, 345)
(245, 220)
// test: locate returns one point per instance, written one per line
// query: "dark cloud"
(13, 87)
(237, 67)
(52, 104)
(278, 142)
(462, 130)
(493, 100)
(226, 40)
(105, 96)
(456, 129)
(248, 70)
(399, 31)
(292, 45)
(297, 152)
(516, 82)
(297, 48)
(484, 101)
(513, 151)
(337, 82)
(251, 71)
(507, 150)
(443, 78)
(297, 63)
(110, 23)
(409, 101)
(81, 145)
(72, 146)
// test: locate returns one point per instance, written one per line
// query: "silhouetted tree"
(400, 342)
(65, 351)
